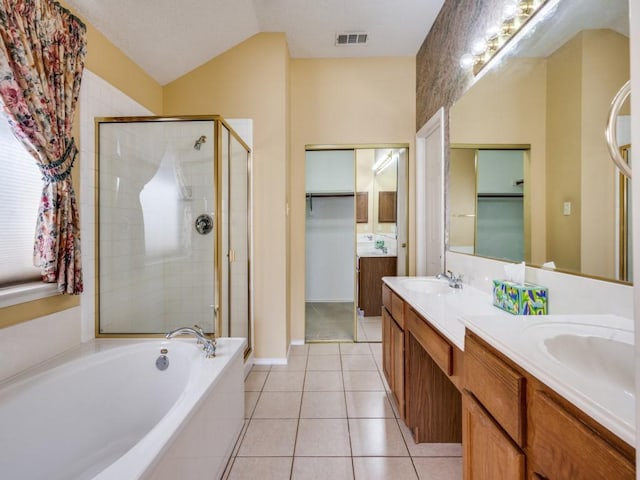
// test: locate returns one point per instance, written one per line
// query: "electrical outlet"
(566, 208)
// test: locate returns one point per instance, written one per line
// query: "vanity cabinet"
(515, 427)
(494, 455)
(423, 370)
(493, 426)
(563, 446)
(393, 346)
(433, 405)
(370, 273)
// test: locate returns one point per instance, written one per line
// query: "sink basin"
(427, 285)
(605, 359)
(598, 352)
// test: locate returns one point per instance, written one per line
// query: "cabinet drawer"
(564, 447)
(437, 347)
(397, 309)
(386, 296)
(497, 386)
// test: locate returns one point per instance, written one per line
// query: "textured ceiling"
(169, 38)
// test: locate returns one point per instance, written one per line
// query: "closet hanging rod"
(500, 195)
(310, 196)
(337, 194)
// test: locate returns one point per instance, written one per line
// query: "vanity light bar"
(518, 18)
(382, 164)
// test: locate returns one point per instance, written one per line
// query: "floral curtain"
(42, 53)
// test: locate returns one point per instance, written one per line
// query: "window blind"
(20, 190)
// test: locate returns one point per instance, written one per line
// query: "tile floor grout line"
(295, 438)
(347, 418)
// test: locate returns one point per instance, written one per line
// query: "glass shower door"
(156, 215)
(235, 177)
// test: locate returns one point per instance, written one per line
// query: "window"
(20, 192)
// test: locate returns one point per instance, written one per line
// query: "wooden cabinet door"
(386, 207)
(488, 453)
(397, 366)
(370, 273)
(386, 345)
(562, 447)
(433, 405)
(497, 386)
(362, 207)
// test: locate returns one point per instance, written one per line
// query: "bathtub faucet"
(208, 345)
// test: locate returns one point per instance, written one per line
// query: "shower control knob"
(204, 224)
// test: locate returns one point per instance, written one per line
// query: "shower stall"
(173, 226)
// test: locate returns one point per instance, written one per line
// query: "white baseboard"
(248, 363)
(269, 361)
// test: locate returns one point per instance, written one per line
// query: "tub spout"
(208, 345)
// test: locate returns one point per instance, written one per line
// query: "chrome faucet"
(454, 281)
(200, 330)
(209, 346)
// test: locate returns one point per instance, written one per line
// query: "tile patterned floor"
(328, 414)
(370, 329)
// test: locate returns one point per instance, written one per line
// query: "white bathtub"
(104, 411)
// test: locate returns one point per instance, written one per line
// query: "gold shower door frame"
(219, 125)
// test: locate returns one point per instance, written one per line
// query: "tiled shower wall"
(156, 271)
(141, 294)
(97, 99)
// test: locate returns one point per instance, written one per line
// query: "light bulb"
(493, 32)
(467, 61)
(478, 47)
(510, 10)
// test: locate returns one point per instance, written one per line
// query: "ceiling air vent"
(351, 38)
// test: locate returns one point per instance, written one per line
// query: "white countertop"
(375, 255)
(521, 338)
(445, 311)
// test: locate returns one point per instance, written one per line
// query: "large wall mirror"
(530, 176)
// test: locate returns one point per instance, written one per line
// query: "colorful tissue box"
(520, 299)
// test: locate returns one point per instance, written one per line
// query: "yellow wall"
(109, 62)
(508, 108)
(583, 77)
(251, 81)
(564, 150)
(462, 197)
(605, 68)
(345, 101)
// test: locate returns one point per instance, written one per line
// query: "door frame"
(430, 196)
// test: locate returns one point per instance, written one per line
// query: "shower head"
(199, 142)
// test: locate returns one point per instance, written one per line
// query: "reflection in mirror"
(377, 232)
(625, 245)
(550, 98)
(376, 184)
(487, 218)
